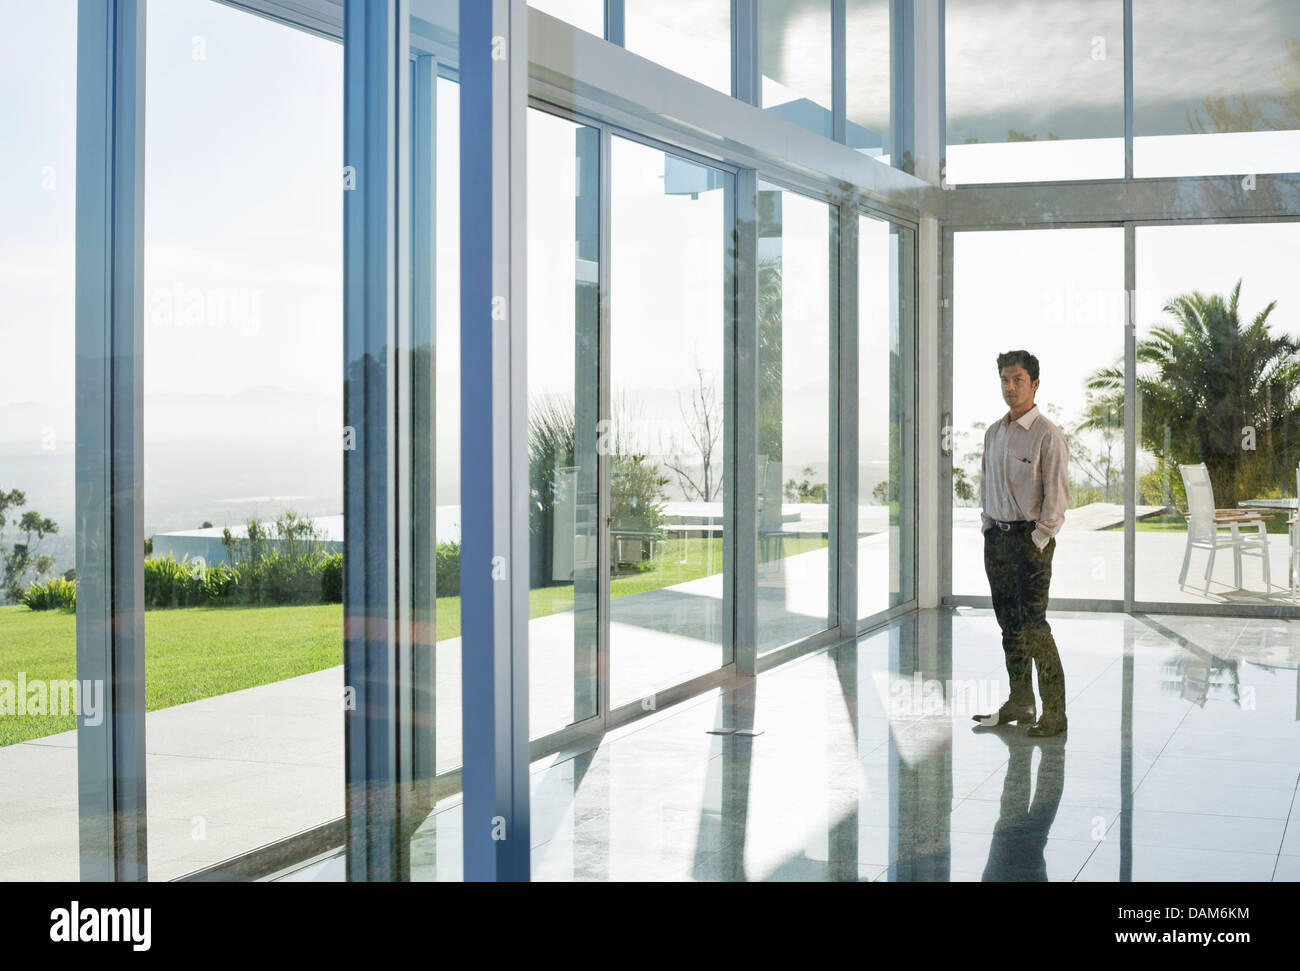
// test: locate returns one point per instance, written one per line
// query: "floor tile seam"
(1156, 759)
(39, 742)
(1241, 631)
(1097, 844)
(1097, 677)
(1286, 826)
(992, 772)
(1203, 812)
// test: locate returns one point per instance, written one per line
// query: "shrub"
(331, 579)
(220, 584)
(637, 494)
(53, 593)
(276, 578)
(284, 562)
(447, 583)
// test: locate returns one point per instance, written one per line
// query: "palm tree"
(1213, 390)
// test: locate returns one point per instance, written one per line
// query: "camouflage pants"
(1019, 574)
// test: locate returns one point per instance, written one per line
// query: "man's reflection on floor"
(1020, 836)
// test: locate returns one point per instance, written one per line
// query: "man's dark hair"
(1021, 358)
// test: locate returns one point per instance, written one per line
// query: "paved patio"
(1089, 565)
(225, 775)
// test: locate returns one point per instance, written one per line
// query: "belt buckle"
(1005, 527)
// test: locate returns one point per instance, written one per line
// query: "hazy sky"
(243, 213)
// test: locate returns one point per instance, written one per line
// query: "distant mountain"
(208, 458)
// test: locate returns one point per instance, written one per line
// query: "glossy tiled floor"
(1181, 763)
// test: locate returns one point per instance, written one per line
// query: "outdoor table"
(1290, 505)
(1269, 504)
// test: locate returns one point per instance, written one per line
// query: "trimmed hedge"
(272, 580)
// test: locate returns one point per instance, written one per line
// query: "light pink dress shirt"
(1025, 474)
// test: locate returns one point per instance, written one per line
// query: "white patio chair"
(1204, 523)
(1293, 525)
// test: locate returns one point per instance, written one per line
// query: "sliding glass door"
(797, 457)
(626, 401)
(667, 399)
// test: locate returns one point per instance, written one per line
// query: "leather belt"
(1014, 524)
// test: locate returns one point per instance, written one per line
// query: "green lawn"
(199, 652)
(190, 654)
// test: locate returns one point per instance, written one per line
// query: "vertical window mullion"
(614, 22)
(1128, 90)
(745, 77)
(494, 439)
(845, 389)
(376, 301)
(740, 424)
(839, 71)
(110, 433)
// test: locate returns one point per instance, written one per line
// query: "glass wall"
(691, 37)
(39, 698)
(1216, 89)
(668, 286)
(797, 253)
(1058, 294)
(1035, 91)
(795, 61)
(886, 392)
(243, 465)
(1218, 366)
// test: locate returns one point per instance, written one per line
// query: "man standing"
(1024, 489)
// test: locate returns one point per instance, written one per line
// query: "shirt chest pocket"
(1023, 470)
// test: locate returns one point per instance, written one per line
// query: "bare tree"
(702, 419)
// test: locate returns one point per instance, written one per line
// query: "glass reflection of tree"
(1266, 112)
